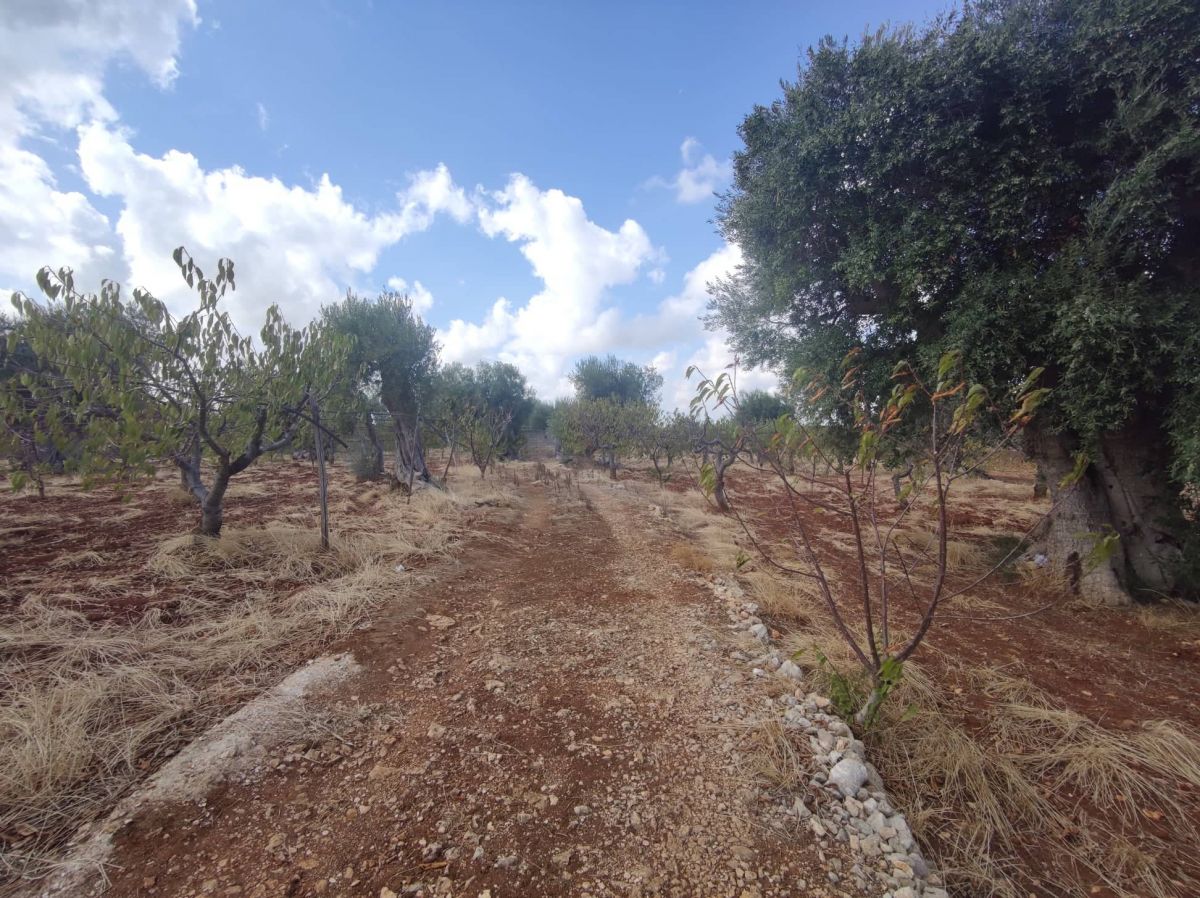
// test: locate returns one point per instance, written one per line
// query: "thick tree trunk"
(212, 508)
(376, 445)
(410, 455)
(1124, 491)
(1132, 466)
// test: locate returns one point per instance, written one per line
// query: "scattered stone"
(848, 775)
(743, 853)
(791, 670)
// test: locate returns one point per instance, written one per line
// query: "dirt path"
(560, 718)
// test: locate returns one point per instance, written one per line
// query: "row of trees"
(616, 414)
(110, 387)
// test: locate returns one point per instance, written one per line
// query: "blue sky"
(538, 176)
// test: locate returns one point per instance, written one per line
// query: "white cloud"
(292, 245)
(569, 319)
(677, 320)
(700, 177)
(295, 245)
(712, 358)
(299, 245)
(41, 225)
(465, 342)
(422, 299)
(576, 260)
(429, 193)
(53, 55)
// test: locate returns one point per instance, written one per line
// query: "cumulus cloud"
(576, 260)
(432, 192)
(294, 245)
(467, 342)
(42, 225)
(677, 317)
(713, 357)
(701, 176)
(678, 320)
(417, 292)
(54, 54)
(300, 244)
(570, 318)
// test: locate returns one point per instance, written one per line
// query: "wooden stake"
(318, 438)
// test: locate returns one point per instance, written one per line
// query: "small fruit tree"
(950, 411)
(147, 387)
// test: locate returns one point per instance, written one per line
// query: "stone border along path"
(848, 800)
(852, 807)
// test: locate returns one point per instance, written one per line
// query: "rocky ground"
(568, 713)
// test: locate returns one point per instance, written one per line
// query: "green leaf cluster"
(1019, 182)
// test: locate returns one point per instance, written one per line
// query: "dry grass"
(691, 558)
(921, 546)
(84, 558)
(988, 768)
(88, 708)
(772, 757)
(792, 599)
(982, 784)
(711, 545)
(1173, 615)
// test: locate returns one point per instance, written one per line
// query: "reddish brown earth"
(92, 545)
(577, 729)
(1121, 668)
(1105, 663)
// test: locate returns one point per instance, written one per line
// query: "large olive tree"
(616, 379)
(395, 352)
(1021, 182)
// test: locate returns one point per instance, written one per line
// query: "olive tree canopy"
(397, 352)
(1019, 182)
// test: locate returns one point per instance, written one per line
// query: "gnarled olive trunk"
(1124, 491)
(410, 455)
(376, 445)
